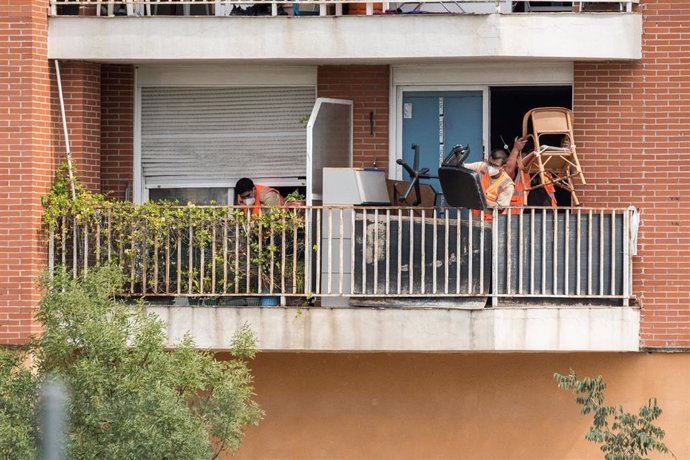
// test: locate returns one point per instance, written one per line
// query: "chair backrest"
(396, 188)
(548, 120)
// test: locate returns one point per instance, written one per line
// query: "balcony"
(363, 279)
(425, 31)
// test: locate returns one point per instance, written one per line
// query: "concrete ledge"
(422, 330)
(369, 39)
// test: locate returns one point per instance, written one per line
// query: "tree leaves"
(629, 436)
(130, 398)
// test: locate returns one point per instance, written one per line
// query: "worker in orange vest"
(497, 185)
(516, 169)
(255, 196)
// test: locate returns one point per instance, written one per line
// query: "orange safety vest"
(551, 191)
(491, 192)
(519, 198)
(261, 191)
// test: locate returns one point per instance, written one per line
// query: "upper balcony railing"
(360, 253)
(324, 7)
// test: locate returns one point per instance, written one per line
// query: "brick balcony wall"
(81, 87)
(26, 162)
(632, 123)
(367, 86)
(117, 130)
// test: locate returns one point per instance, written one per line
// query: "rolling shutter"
(195, 136)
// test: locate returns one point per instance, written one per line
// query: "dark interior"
(508, 105)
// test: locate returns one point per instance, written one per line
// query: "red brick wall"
(26, 163)
(31, 143)
(367, 87)
(632, 129)
(117, 129)
(81, 88)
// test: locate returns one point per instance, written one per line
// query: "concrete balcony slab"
(348, 39)
(363, 329)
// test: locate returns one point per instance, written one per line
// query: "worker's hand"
(519, 143)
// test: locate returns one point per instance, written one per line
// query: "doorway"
(508, 105)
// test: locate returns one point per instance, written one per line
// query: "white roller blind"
(217, 135)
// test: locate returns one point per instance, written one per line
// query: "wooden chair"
(554, 165)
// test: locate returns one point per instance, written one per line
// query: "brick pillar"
(26, 161)
(81, 87)
(632, 123)
(117, 129)
(367, 86)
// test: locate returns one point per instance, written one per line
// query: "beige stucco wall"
(451, 406)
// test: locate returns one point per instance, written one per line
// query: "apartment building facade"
(167, 100)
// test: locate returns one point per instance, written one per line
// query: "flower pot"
(295, 204)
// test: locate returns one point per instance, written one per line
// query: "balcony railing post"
(308, 250)
(353, 238)
(626, 256)
(613, 252)
(75, 248)
(494, 258)
(509, 250)
(51, 253)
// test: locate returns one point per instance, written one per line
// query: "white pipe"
(64, 126)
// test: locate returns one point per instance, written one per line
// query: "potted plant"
(295, 199)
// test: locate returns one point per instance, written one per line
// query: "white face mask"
(249, 201)
(493, 170)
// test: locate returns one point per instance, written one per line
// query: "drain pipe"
(64, 126)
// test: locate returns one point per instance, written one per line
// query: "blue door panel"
(437, 121)
(463, 122)
(421, 129)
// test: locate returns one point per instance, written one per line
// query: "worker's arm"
(511, 164)
(476, 166)
(527, 159)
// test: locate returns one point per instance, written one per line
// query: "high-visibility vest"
(519, 198)
(261, 192)
(492, 191)
(551, 191)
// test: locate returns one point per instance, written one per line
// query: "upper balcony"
(315, 32)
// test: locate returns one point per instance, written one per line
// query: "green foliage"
(59, 203)
(295, 195)
(190, 241)
(629, 436)
(130, 398)
(18, 400)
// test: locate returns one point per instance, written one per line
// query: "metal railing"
(381, 252)
(277, 7)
